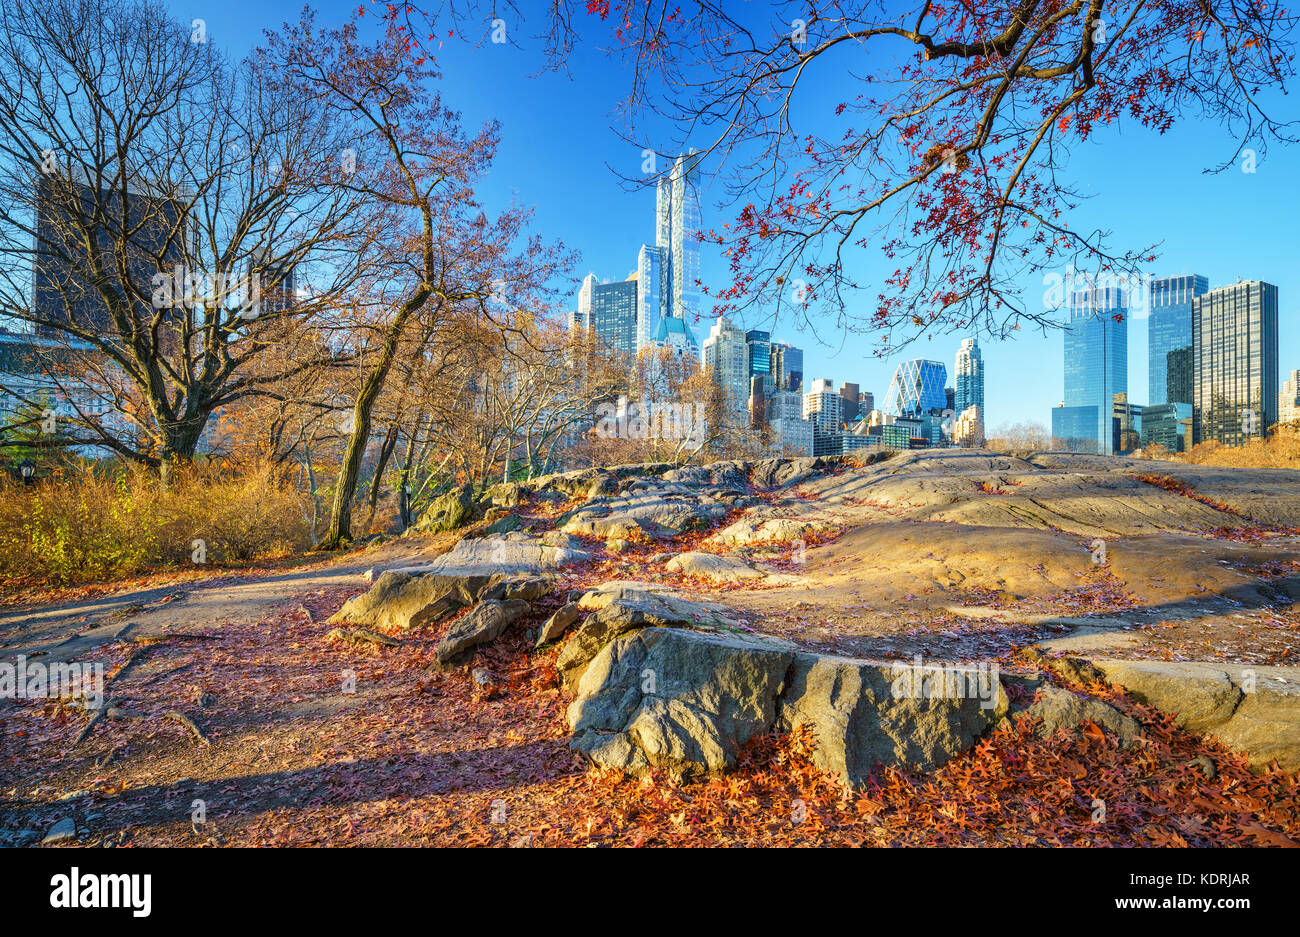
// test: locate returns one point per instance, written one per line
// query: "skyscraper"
(917, 388)
(758, 351)
(1235, 356)
(651, 298)
(787, 367)
(153, 237)
(677, 222)
(609, 311)
(1178, 375)
(848, 402)
(969, 376)
(727, 356)
(1169, 329)
(1096, 369)
(821, 406)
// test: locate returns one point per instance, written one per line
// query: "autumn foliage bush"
(91, 524)
(1281, 449)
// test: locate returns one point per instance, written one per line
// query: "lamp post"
(28, 468)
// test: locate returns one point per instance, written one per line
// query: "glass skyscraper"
(759, 351)
(970, 377)
(677, 222)
(1169, 329)
(787, 367)
(1096, 368)
(651, 299)
(917, 388)
(1235, 361)
(609, 311)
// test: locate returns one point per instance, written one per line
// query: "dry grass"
(1280, 450)
(106, 523)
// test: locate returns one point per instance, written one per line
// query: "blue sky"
(561, 154)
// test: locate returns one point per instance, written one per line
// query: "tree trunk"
(385, 453)
(404, 476)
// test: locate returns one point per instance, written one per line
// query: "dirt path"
(64, 631)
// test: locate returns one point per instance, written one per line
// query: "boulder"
(784, 473)
(1254, 710)
(448, 512)
(750, 530)
(865, 713)
(480, 625)
(510, 554)
(503, 524)
(558, 623)
(714, 567)
(621, 607)
(504, 495)
(1201, 696)
(651, 514)
(681, 701)
(555, 538)
(402, 599)
(1055, 709)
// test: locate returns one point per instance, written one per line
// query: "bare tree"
(157, 205)
(445, 259)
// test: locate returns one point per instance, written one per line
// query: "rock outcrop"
(402, 599)
(482, 624)
(1254, 710)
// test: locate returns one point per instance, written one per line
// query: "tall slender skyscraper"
(787, 367)
(969, 369)
(1096, 369)
(677, 216)
(1169, 329)
(1235, 355)
(758, 344)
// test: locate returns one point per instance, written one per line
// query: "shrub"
(106, 522)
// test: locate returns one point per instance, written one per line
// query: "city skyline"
(588, 195)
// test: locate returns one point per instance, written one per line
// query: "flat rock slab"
(763, 529)
(621, 607)
(1254, 710)
(651, 514)
(714, 567)
(509, 554)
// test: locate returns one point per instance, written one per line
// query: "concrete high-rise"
(1235, 361)
(821, 406)
(1169, 329)
(1288, 399)
(849, 394)
(726, 355)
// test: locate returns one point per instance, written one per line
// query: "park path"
(62, 631)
